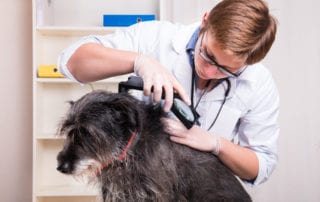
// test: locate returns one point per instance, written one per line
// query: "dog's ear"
(138, 117)
(130, 111)
(71, 102)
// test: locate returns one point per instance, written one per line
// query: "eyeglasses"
(211, 61)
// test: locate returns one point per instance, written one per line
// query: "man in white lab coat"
(214, 66)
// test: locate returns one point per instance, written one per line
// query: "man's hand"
(195, 137)
(155, 75)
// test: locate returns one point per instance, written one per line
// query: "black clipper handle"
(133, 82)
(136, 83)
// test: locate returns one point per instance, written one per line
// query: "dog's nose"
(64, 168)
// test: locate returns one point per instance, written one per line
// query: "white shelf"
(49, 136)
(88, 13)
(67, 190)
(74, 31)
(116, 79)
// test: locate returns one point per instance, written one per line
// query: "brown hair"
(244, 27)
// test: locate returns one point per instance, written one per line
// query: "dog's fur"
(99, 125)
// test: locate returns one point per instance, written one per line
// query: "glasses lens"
(205, 57)
(226, 72)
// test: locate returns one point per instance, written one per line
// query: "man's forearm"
(242, 161)
(91, 62)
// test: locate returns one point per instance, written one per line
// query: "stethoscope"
(193, 86)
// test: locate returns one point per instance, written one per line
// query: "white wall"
(16, 101)
(294, 61)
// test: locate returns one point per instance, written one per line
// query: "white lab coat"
(251, 110)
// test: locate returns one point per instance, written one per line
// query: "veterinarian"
(214, 65)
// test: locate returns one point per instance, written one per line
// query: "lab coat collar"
(181, 39)
(191, 45)
(218, 92)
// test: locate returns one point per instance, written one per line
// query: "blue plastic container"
(125, 20)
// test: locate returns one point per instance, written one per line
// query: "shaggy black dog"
(121, 142)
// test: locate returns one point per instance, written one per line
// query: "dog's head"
(97, 127)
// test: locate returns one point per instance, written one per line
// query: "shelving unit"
(56, 25)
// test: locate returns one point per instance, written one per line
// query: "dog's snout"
(65, 168)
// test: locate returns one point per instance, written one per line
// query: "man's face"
(213, 62)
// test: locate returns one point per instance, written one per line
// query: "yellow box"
(49, 71)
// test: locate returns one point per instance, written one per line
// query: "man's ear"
(204, 20)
